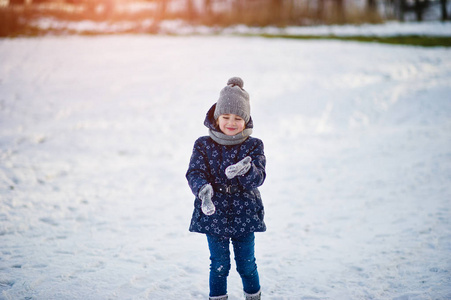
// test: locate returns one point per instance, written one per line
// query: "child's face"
(231, 124)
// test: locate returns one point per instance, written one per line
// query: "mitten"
(240, 168)
(205, 194)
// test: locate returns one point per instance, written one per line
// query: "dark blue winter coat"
(236, 214)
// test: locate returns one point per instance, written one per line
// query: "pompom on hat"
(233, 99)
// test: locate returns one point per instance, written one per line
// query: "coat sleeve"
(257, 173)
(197, 174)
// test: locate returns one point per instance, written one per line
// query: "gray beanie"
(233, 99)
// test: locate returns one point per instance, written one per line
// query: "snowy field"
(179, 27)
(96, 135)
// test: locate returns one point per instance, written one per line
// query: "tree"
(371, 6)
(419, 10)
(275, 11)
(208, 10)
(191, 13)
(400, 8)
(444, 11)
(320, 9)
(340, 11)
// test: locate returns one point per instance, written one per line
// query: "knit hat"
(233, 99)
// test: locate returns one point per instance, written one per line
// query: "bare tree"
(340, 11)
(238, 9)
(275, 11)
(208, 9)
(419, 10)
(161, 10)
(371, 6)
(190, 10)
(444, 11)
(320, 10)
(16, 2)
(400, 8)
(291, 10)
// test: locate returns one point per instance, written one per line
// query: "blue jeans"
(243, 247)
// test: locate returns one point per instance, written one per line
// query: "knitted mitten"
(205, 194)
(240, 168)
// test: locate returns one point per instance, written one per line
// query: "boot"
(224, 297)
(256, 296)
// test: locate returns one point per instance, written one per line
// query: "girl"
(225, 170)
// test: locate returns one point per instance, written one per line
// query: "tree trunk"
(371, 6)
(418, 10)
(275, 10)
(320, 10)
(16, 2)
(237, 10)
(293, 11)
(340, 11)
(444, 11)
(401, 8)
(190, 10)
(208, 10)
(161, 10)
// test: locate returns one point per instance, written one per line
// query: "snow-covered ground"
(96, 135)
(386, 29)
(180, 27)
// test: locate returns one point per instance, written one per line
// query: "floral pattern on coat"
(236, 214)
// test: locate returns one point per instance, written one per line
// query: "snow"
(180, 27)
(96, 134)
(386, 29)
